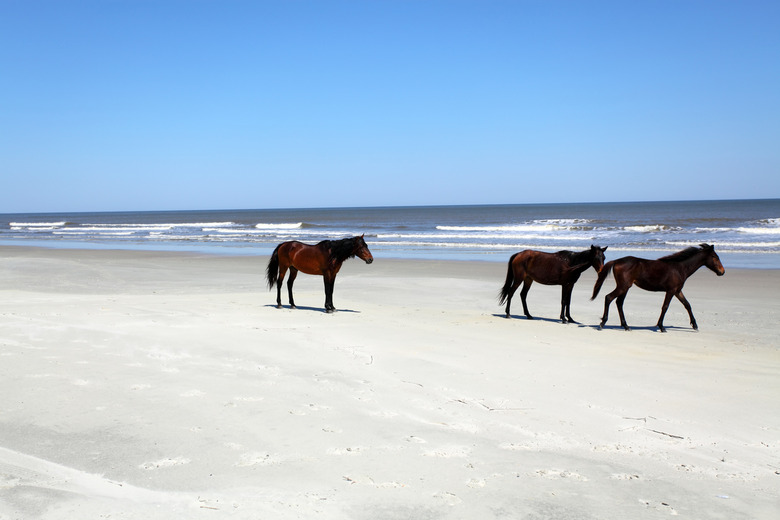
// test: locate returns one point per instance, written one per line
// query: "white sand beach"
(158, 385)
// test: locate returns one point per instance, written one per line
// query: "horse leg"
(509, 297)
(523, 292)
(687, 306)
(282, 272)
(607, 301)
(329, 283)
(290, 281)
(619, 304)
(664, 308)
(566, 304)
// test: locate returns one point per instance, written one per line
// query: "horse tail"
(510, 280)
(272, 271)
(602, 276)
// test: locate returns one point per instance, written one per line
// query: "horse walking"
(561, 268)
(323, 259)
(665, 274)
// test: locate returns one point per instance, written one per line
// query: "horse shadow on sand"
(314, 309)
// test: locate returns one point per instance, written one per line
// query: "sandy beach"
(163, 385)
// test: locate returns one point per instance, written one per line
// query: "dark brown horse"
(665, 274)
(323, 259)
(561, 268)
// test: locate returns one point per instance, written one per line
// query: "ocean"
(746, 233)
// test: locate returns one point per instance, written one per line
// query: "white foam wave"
(730, 244)
(760, 230)
(471, 245)
(168, 225)
(502, 229)
(130, 228)
(651, 228)
(235, 231)
(295, 225)
(36, 224)
(481, 236)
(111, 233)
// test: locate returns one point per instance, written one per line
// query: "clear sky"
(222, 104)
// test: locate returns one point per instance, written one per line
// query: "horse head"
(712, 260)
(362, 251)
(597, 257)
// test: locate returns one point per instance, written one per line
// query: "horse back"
(650, 275)
(304, 257)
(542, 267)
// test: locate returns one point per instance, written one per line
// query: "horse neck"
(339, 254)
(581, 260)
(692, 264)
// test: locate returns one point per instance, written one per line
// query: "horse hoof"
(279, 306)
(293, 307)
(528, 316)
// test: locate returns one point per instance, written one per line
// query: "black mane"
(685, 254)
(343, 249)
(576, 258)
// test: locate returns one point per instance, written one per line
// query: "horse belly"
(648, 286)
(307, 262)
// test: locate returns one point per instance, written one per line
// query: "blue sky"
(205, 104)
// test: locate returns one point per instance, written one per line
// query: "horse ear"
(604, 248)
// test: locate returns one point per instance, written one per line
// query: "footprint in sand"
(448, 498)
(624, 476)
(248, 399)
(559, 474)
(448, 451)
(368, 481)
(256, 458)
(351, 450)
(309, 408)
(164, 463)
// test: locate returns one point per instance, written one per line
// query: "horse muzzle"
(369, 260)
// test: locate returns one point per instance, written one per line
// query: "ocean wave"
(479, 236)
(130, 228)
(472, 245)
(106, 233)
(296, 225)
(759, 230)
(34, 225)
(651, 228)
(726, 244)
(502, 229)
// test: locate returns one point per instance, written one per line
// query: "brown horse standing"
(323, 259)
(665, 274)
(561, 268)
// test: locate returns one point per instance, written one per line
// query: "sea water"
(746, 233)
